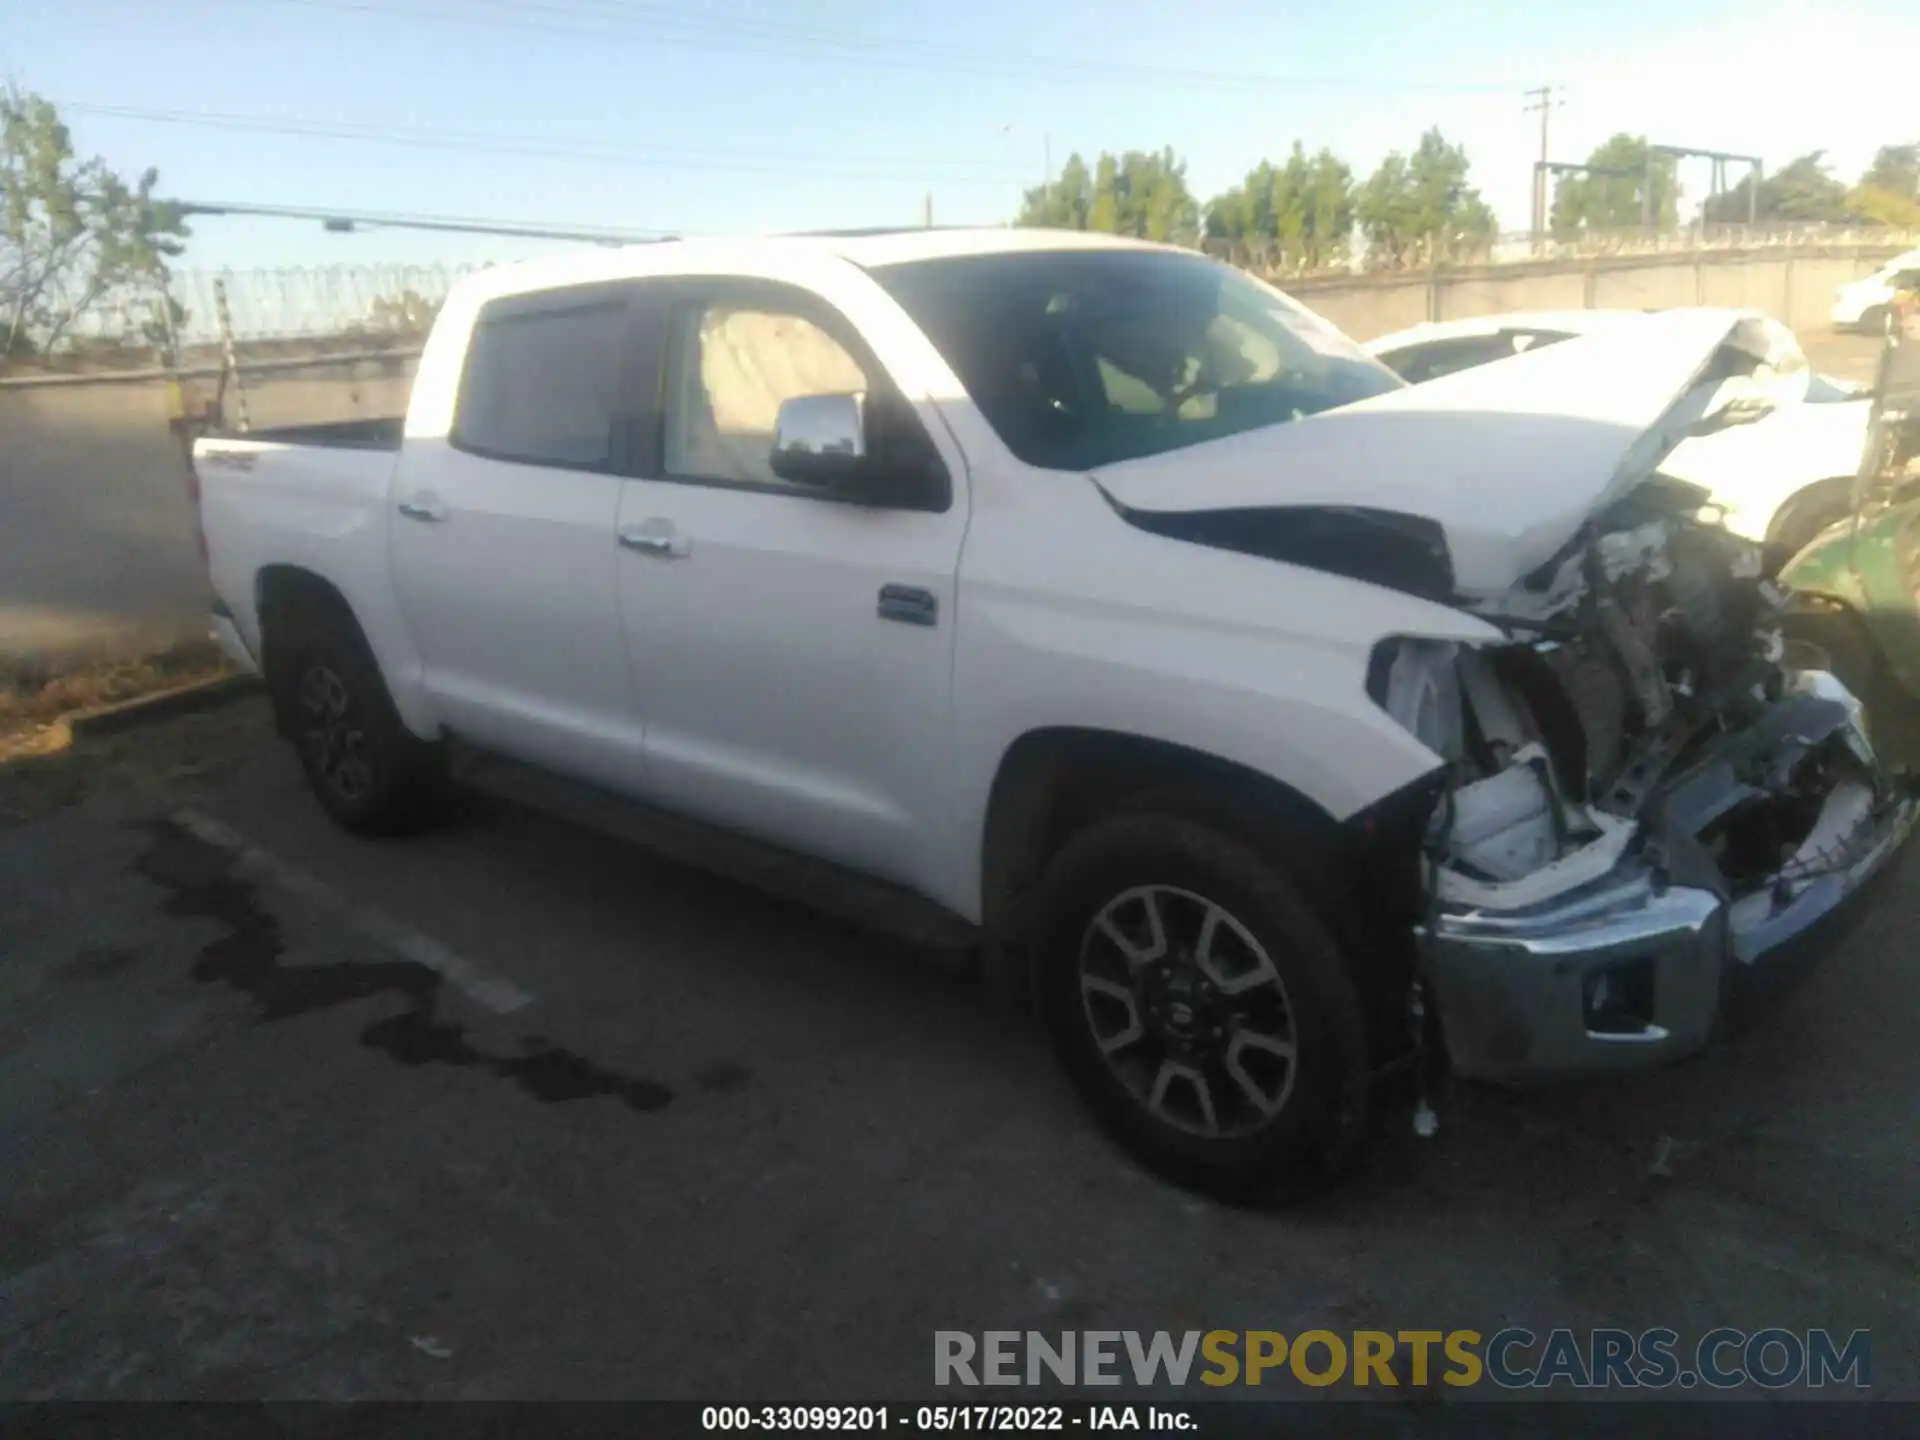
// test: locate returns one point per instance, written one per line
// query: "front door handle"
(657, 538)
(423, 507)
(909, 604)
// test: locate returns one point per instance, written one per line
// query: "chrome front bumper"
(1516, 990)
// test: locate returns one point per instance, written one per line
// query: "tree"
(1301, 213)
(1802, 190)
(1889, 193)
(1895, 168)
(1603, 201)
(1139, 193)
(72, 232)
(1422, 200)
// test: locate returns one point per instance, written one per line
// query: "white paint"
(491, 991)
(1511, 459)
(1750, 470)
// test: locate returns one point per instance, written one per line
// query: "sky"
(730, 116)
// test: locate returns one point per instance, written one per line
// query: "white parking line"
(492, 991)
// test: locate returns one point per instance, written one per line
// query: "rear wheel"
(1200, 1007)
(371, 774)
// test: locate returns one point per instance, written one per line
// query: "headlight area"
(1592, 883)
(1510, 827)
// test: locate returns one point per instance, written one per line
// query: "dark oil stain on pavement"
(545, 1072)
(723, 1077)
(247, 958)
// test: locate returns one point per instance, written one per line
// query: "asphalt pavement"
(509, 1110)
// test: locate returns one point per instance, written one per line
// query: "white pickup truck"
(1271, 718)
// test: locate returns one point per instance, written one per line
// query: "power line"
(837, 166)
(740, 36)
(347, 221)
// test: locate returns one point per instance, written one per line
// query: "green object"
(1856, 588)
(1870, 564)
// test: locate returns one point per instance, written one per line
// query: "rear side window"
(542, 382)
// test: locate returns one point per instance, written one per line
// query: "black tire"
(369, 772)
(1873, 320)
(1319, 1099)
(1804, 515)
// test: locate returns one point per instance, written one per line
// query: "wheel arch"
(1052, 781)
(1355, 874)
(286, 597)
(289, 589)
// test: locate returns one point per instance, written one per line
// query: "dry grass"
(170, 756)
(33, 697)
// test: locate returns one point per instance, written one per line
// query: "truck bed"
(382, 433)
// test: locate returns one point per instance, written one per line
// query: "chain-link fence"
(353, 303)
(318, 301)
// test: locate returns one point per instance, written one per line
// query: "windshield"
(1080, 358)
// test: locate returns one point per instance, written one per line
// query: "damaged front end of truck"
(1639, 803)
(1633, 801)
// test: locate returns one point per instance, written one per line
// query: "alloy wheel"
(334, 741)
(1188, 1011)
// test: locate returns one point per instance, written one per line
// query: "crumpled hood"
(1509, 459)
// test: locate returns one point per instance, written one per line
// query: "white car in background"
(1863, 304)
(1779, 445)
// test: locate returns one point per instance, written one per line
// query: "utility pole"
(1540, 99)
(926, 212)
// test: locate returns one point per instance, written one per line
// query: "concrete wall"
(97, 550)
(315, 395)
(97, 554)
(1797, 289)
(1364, 311)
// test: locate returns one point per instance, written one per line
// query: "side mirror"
(860, 448)
(821, 440)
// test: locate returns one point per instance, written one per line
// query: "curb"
(162, 705)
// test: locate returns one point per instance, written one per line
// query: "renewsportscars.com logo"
(1514, 1358)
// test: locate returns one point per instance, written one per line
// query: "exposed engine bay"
(1641, 710)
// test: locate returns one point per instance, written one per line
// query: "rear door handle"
(909, 604)
(658, 538)
(423, 507)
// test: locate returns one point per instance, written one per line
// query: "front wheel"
(1201, 1008)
